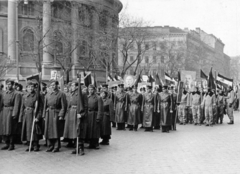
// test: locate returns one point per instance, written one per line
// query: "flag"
(150, 79)
(203, 75)
(87, 79)
(224, 80)
(211, 83)
(138, 79)
(61, 83)
(80, 105)
(179, 76)
(167, 77)
(157, 80)
(95, 81)
(110, 79)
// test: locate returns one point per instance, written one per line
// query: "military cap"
(91, 86)
(165, 87)
(149, 86)
(30, 83)
(54, 81)
(121, 85)
(104, 85)
(44, 84)
(10, 80)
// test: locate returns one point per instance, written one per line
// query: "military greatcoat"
(165, 104)
(121, 107)
(1, 110)
(148, 109)
(11, 107)
(134, 110)
(27, 115)
(73, 126)
(95, 114)
(106, 120)
(54, 107)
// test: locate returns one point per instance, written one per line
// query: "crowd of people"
(48, 113)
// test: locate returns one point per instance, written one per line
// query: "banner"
(129, 80)
(188, 78)
(55, 74)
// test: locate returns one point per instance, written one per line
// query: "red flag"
(80, 105)
(211, 83)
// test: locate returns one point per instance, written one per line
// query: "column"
(46, 25)
(12, 5)
(74, 24)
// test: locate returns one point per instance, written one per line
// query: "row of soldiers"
(54, 115)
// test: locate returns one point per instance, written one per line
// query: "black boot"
(113, 124)
(130, 127)
(231, 122)
(136, 127)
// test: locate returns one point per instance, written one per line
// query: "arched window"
(28, 40)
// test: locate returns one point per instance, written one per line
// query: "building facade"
(171, 49)
(39, 36)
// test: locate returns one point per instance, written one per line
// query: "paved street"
(191, 149)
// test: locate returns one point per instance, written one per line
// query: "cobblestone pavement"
(191, 149)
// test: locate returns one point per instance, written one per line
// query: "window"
(146, 59)
(146, 46)
(162, 59)
(28, 40)
(103, 20)
(86, 16)
(27, 9)
(154, 59)
(59, 47)
(131, 58)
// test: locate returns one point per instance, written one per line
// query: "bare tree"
(133, 38)
(173, 54)
(5, 64)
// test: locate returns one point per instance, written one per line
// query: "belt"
(8, 106)
(51, 107)
(74, 107)
(90, 110)
(29, 108)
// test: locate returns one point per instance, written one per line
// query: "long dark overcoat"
(11, 107)
(73, 126)
(134, 109)
(94, 117)
(165, 104)
(54, 107)
(27, 115)
(106, 120)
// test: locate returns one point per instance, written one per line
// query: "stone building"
(43, 35)
(169, 49)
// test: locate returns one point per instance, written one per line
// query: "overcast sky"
(218, 17)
